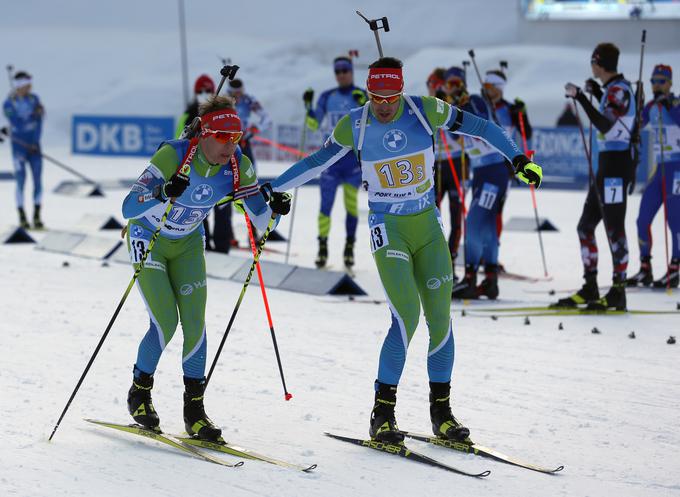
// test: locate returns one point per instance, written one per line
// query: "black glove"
(593, 87)
(279, 202)
(308, 98)
(663, 99)
(174, 187)
(4, 131)
(518, 106)
(527, 171)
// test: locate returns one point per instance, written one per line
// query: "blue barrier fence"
(559, 150)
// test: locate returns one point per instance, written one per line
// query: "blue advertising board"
(119, 135)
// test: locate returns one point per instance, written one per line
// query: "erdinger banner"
(136, 136)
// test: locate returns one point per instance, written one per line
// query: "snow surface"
(603, 405)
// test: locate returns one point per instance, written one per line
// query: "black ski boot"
(644, 276)
(37, 223)
(196, 421)
(467, 287)
(23, 222)
(349, 252)
(383, 423)
(444, 424)
(671, 274)
(489, 286)
(139, 401)
(588, 293)
(615, 298)
(322, 256)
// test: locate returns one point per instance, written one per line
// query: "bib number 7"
(613, 190)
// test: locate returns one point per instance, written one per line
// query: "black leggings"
(445, 184)
(615, 172)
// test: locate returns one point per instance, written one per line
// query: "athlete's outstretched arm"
(336, 147)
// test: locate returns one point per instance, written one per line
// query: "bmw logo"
(394, 140)
(137, 231)
(202, 193)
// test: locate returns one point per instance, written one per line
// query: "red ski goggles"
(224, 137)
(384, 99)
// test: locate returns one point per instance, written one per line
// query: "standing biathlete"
(25, 114)
(174, 278)
(331, 106)
(392, 136)
(607, 197)
(662, 115)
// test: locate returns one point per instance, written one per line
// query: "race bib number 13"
(378, 237)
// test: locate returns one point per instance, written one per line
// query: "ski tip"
(558, 469)
(309, 469)
(484, 474)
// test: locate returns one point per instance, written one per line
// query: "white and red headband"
(385, 79)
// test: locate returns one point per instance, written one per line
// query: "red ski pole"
(287, 394)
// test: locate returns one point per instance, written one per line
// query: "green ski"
(235, 450)
(159, 436)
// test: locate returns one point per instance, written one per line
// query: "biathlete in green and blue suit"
(392, 137)
(173, 279)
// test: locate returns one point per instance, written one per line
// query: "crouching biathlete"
(393, 138)
(173, 278)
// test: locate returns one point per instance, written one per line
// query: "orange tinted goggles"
(225, 137)
(384, 99)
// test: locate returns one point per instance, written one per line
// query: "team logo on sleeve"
(202, 193)
(394, 140)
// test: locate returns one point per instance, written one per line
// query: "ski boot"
(196, 421)
(467, 287)
(444, 424)
(37, 223)
(349, 252)
(615, 298)
(322, 256)
(383, 423)
(23, 222)
(588, 293)
(671, 278)
(139, 401)
(489, 286)
(644, 276)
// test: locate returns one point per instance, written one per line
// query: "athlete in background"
(331, 106)
(25, 114)
(662, 115)
(613, 121)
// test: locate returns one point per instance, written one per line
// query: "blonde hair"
(216, 102)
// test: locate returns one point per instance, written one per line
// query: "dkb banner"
(119, 135)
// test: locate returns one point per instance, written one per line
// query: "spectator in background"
(25, 114)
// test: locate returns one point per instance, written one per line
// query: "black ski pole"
(184, 169)
(295, 192)
(635, 134)
(489, 103)
(375, 25)
(593, 181)
(256, 259)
